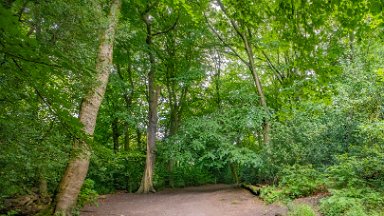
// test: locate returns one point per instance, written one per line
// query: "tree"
(153, 95)
(245, 34)
(77, 167)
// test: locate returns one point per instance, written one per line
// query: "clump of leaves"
(296, 181)
(300, 210)
(272, 194)
(342, 202)
(87, 195)
(358, 185)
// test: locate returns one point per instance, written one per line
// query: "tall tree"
(153, 97)
(245, 34)
(77, 167)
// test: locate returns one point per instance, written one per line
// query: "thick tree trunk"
(146, 185)
(77, 167)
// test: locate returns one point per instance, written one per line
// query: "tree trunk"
(259, 89)
(127, 140)
(173, 128)
(140, 144)
(252, 68)
(217, 81)
(146, 185)
(77, 167)
(115, 135)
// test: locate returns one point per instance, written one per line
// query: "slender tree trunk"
(217, 81)
(252, 68)
(128, 98)
(115, 135)
(138, 139)
(173, 128)
(77, 167)
(259, 89)
(127, 140)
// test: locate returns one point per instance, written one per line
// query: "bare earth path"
(209, 200)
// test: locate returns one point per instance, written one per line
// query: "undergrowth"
(355, 184)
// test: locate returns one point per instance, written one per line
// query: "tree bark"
(146, 185)
(77, 167)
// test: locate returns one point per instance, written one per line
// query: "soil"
(209, 200)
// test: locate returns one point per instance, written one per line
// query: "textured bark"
(146, 185)
(77, 167)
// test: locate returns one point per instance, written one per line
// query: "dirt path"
(210, 200)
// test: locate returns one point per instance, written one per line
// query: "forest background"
(142, 95)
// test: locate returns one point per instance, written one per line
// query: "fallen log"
(254, 189)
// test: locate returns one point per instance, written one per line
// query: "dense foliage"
(319, 64)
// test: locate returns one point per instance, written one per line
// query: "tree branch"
(234, 53)
(168, 29)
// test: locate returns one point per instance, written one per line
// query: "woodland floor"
(209, 200)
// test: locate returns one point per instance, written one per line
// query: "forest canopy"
(141, 95)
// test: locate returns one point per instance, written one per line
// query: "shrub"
(301, 181)
(300, 210)
(87, 195)
(272, 194)
(341, 204)
(296, 181)
(358, 184)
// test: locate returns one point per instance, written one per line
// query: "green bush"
(301, 181)
(121, 171)
(272, 194)
(300, 210)
(366, 169)
(340, 204)
(358, 184)
(87, 195)
(296, 181)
